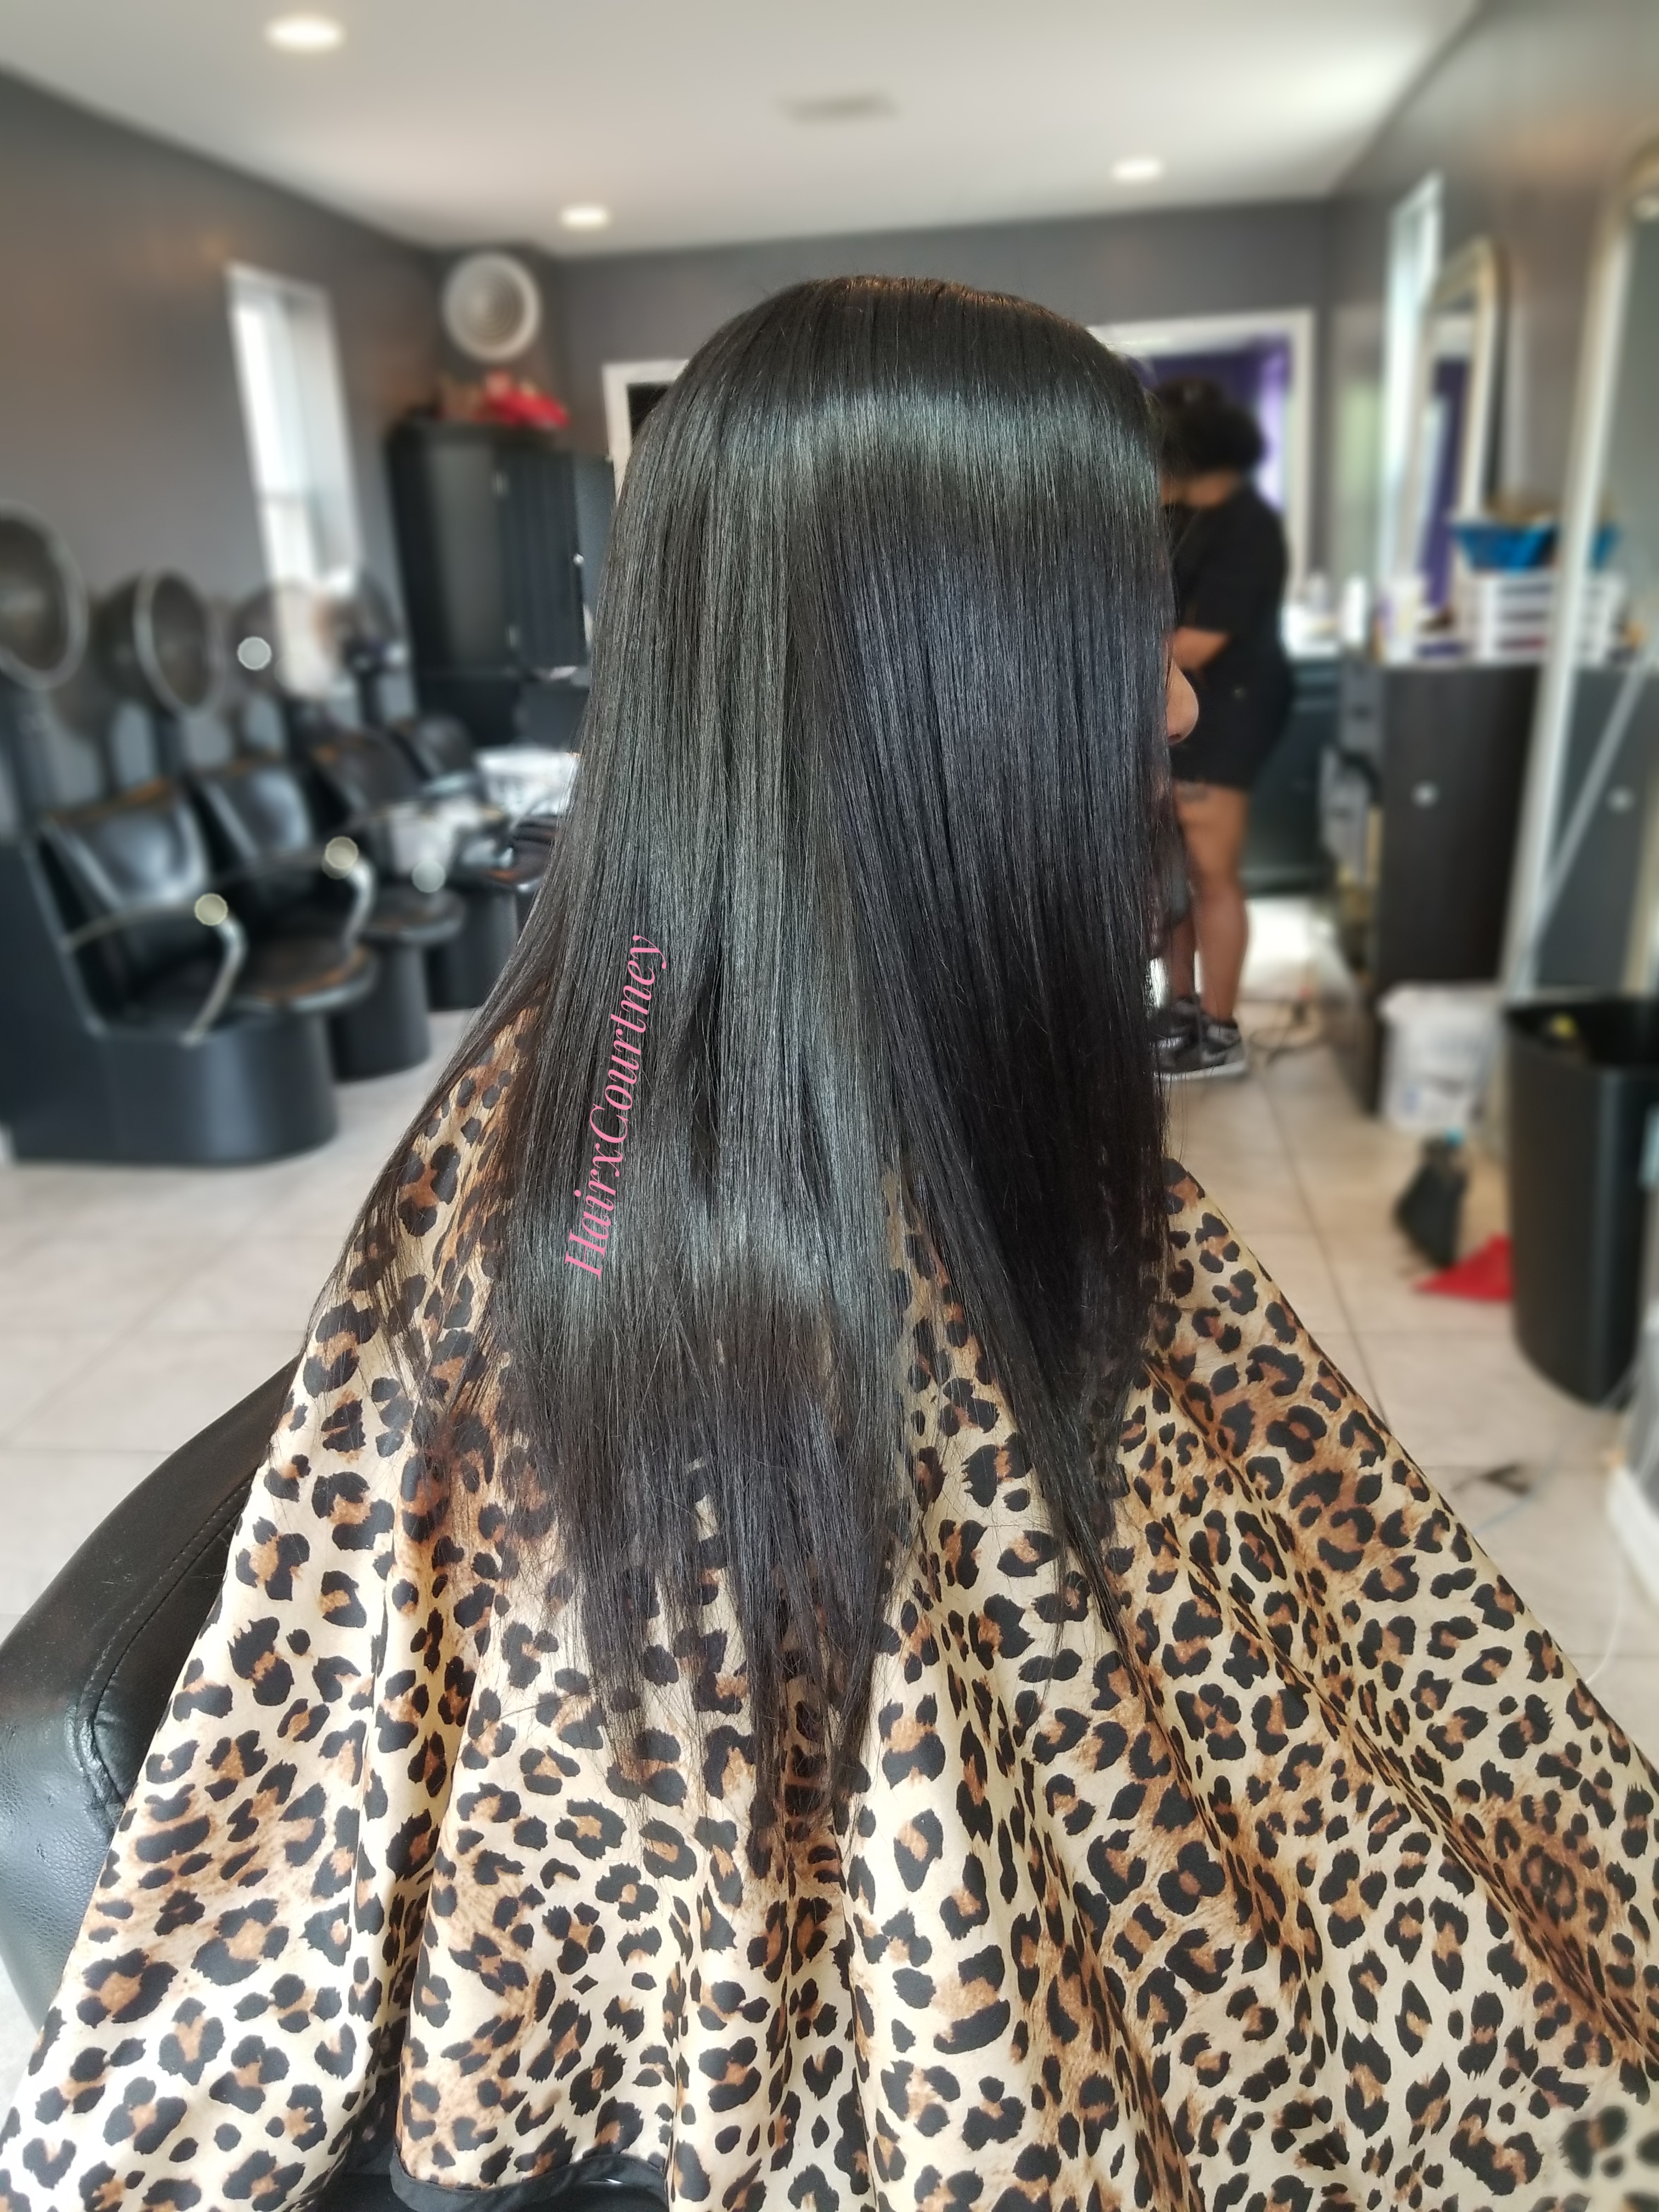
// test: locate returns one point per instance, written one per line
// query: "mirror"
(1449, 467)
(1584, 910)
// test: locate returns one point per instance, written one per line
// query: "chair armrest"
(87, 1674)
(211, 911)
(339, 860)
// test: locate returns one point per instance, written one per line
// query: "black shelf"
(501, 538)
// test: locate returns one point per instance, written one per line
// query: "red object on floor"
(1484, 1274)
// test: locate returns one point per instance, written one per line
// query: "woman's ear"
(1181, 707)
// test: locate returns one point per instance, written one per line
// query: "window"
(294, 414)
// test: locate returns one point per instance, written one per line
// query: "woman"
(816, 1632)
(1230, 568)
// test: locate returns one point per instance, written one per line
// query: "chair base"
(75, 1086)
(462, 973)
(251, 1090)
(389, 1030)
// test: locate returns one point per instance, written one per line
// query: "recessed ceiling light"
(585, 216)
(304, 34)
(1137, 169)
(840, 107)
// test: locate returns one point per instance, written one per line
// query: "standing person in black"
(1227, 549)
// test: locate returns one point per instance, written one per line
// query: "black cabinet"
(1283, 850)
(1421, 805)
(1587, 940)
(501, 537)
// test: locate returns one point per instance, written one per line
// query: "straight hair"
(873, 760)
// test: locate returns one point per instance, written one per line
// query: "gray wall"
(543, 364)
(1101, 268)
(121, 422)
(1529, 117)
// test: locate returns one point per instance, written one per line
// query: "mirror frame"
(1476, 271)
(1595, 399)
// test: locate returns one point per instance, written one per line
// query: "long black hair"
(873, 759)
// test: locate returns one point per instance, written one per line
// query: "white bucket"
(1437, 1053)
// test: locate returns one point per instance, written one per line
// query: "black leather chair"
(144, 1020)
(259, 818)
(377, 794)
(138, 868)
(85, 1678)
(441, 753)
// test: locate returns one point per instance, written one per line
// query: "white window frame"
(288, 373)
(616, 377)
(1151, 341)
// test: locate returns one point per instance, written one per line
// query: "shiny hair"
(873, 754)
(1201, 428)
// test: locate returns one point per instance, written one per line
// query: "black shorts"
(1235, 730)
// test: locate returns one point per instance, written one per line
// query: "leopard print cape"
(1326, 1883)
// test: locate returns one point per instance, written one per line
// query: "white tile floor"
(137, 1302)
(1309, 1182)
(134, 1304)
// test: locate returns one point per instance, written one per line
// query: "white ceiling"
(454, 121)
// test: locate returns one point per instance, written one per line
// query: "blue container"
(1509, 546)
(1514, 547)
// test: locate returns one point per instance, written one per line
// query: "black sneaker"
(1175, 1031)
(1215, 1050)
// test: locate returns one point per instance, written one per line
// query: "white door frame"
(616, 377)
(1179, 334)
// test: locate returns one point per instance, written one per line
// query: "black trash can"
(1583, 1076)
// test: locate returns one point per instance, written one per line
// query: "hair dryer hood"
(285, 641)
(159, 642)
(365, 627)
(43, 603)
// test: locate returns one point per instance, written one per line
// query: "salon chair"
(85, 1678)
(441, 752)
(375, 791)
(144, 1020)
(138, 869)
(443, 755)
(259, 818)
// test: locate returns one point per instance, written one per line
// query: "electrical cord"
(1304, 1029)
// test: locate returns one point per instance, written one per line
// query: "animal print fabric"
(1324, 1883)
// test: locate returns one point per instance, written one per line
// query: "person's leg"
(1181, 958)
(1214, 818)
